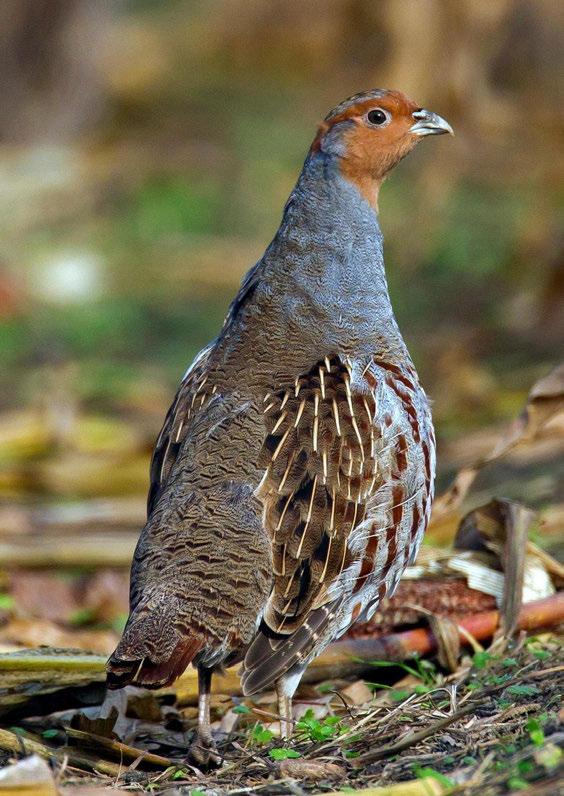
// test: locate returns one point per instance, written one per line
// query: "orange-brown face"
(372, 132)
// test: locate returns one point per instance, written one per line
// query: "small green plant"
(179, 774)
(541, 655)
(241, 709)
(536, 648)
(522, 690)
(536, 732)
(283, 754)
(315, 730)
(517, 783)
(260, 735)
(482, 659)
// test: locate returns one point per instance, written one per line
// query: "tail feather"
(272, 655)
(152, 652)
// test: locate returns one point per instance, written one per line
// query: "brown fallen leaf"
(315, 770)
(356, 693)
(102, 727)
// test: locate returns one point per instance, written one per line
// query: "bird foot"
(203, 752)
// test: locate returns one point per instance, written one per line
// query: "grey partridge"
(292, 481)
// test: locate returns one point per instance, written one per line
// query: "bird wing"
(320, 469)
(191, 394)
(334, 491)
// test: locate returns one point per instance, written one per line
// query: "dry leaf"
(102, 726)
(315, 770)
(356, 693)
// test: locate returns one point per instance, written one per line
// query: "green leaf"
(522, 690)
(428, 772)
(283, 754)
(510, 662)
(525, 766)
(469, 760)
(498, 679)
(480, 660)
(260, 735)
(516, 783)
(535, 731)
(49, 733)
(241, 709)
(398, 695)
(541, 655)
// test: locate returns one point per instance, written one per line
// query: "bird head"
(371, 132)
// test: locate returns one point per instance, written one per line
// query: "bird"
(293, 478)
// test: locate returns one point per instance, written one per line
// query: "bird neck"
(329, 246)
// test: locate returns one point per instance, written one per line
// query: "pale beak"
(429, 123)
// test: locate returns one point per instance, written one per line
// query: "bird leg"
(203, 751)
(284, 710)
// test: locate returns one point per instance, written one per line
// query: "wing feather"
(320, 471)
(191, 395)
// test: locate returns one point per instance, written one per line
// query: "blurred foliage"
(147, 148)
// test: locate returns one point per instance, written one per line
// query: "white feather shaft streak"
(280, 445)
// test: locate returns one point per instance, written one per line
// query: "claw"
(203, 752)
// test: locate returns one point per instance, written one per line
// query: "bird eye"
(378, 117)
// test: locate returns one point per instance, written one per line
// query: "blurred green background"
(147, 148)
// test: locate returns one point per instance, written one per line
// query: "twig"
(411, 739)
(14, 743)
